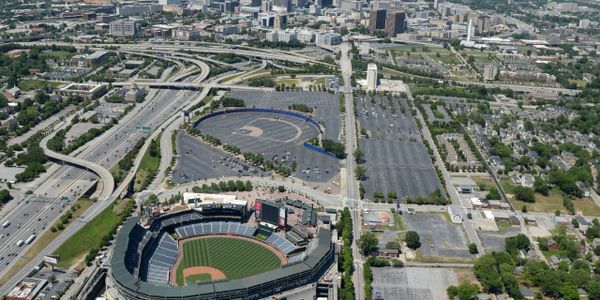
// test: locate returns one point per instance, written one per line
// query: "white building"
(169, 2)
(584, 24)
(328, 39)
(272, 36)
(490, 71)
(371, 77)
(124, 28)
(307, 36)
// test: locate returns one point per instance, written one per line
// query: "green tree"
(524, 194)
(367, 242)
(569, 292)
(392, 245)
(361, 173)
(473, 248)
(412, 240)
(464, 291)
(541, 186)
(5, 196)
(593, 290)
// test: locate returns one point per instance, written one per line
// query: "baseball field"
(215, 257)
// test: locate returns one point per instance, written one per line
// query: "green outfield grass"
(236, 258)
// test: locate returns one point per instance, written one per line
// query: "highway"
(46, 205)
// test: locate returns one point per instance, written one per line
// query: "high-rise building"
(267, 5)
(371, 77)
(377, 20)
(395, 23)
(280, 21)
(124, 28)
(325, 3)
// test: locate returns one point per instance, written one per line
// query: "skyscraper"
(377, 19)
(395, 23)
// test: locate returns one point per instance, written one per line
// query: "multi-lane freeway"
(47, 203)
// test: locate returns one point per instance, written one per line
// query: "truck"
(6, 224)
(19, 243)
(30, 239)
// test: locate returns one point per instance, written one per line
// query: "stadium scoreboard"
(272, 213)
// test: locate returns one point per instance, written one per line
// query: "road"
(351, 189)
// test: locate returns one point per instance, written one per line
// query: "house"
(554, 260)
(514, 221)
(527, 180)
(527, 293)
(552, 244)
(560, 220)
(393, 253)
(12, 93)
(583, 223)
(596, 242)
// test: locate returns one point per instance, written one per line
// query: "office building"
(124, 28)
(371, 77)
(377, 20)
(325, 3)
(395, 23)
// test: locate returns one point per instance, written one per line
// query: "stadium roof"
(131, 282)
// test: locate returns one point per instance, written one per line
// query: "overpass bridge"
(188, 86)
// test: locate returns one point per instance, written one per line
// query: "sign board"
(258, 206)
(53, 260)
(282, 216)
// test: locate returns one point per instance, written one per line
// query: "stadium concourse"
(217, 237)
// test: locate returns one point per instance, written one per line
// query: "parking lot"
(494, 241)
(432, 117)
(396, 158)
(198, 161)
(279, 138)
(438, 237)
(412, 282)
(325, 105)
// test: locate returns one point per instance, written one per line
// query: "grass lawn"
(288, 81)
(398, 224)
(224, 254)
(58, 54)
(90, 236)
(503, 225)
(449, 59)
(35, 84)
(484, 183)
(586, 206)
(46, 238)
(147, 170)
(198, 278)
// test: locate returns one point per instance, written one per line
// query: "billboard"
(271, 213)
(282, 216)
(258, 207)
(53, 260)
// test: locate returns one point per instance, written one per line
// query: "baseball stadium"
(219, 249)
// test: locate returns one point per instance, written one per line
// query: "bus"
(19, 243)
(30, 239)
